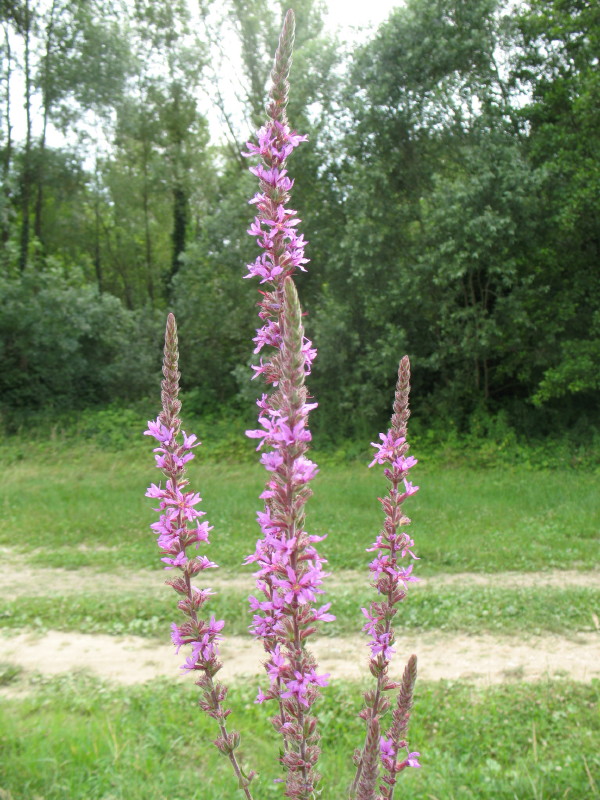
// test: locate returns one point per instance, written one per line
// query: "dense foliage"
(450, 192)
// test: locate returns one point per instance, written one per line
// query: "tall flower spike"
(290, 570)
(391, 581)
(178, 528)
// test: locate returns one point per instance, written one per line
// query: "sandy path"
(482, 659)
(20, 579)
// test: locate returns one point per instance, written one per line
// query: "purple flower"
(269, 335)
(200, 533)
(202, 562)
(387, 449)
(381, 645)
(386, 747)
(267, 524)
(317, 680)
(266, 434)
(276, 667)
(165, 524)
(304, 470)
(404, 573)
(322, 615)
(191, 661)
(261, 696)
(382, 563)
(299, 588)
(155, 491)
(189, 441)
(176, 636)
(160, 432)
(297, 688)
(179, 561)
(404, 464)
(201, 595)
(373, 621)
(406, 546)
(290, 572)
(410, 489)
(215, 625)
(177, 528)
(271, 461)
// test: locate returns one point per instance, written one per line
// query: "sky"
(347, 14)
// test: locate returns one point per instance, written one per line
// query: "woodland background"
(450, 192)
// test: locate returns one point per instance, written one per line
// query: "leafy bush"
(63, 344)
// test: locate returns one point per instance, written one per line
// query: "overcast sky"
(347, 14)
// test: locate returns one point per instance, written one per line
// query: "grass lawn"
(89, 509)
(76, 738)
(79, 739)
(472, 610)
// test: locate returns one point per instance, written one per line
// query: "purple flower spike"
(390, 579)
(290, 571)
(174, 528)
(177, 529)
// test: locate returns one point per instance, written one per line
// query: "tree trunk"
(97, 226)
(147, 233)
(180, 213)
(7, 156)
(39, 201)
(26, 174)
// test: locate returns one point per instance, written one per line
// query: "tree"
(557, 63)
(414, 94)
(83, 64)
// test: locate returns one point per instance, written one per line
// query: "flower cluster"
(179, 528)
(290, 570)
(283, 248)
(391, 579)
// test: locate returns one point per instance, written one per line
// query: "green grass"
(80, 739)
(74, 737)
(89, 509)
(471, 610)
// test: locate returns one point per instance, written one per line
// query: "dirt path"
(21, 579)
(483, 659)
